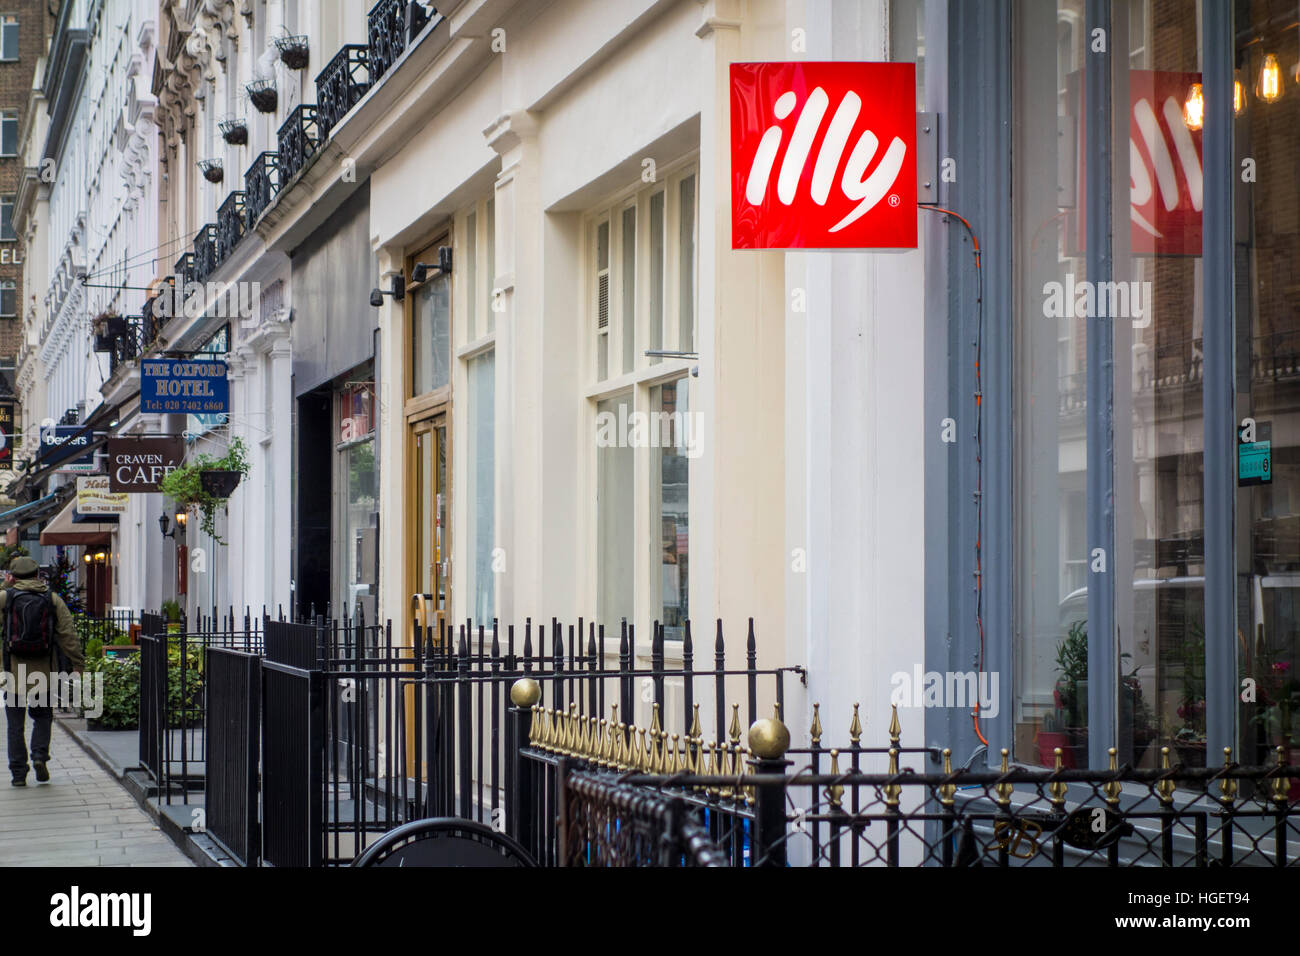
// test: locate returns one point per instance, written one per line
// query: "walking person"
(35, 622)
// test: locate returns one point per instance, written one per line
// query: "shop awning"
(64, 529)
(22, 513)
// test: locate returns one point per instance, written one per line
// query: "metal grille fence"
(233, 725)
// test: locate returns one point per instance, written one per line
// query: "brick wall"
(15, 88)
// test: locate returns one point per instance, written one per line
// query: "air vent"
(602, 300)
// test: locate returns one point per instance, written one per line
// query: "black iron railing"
(299, 138)
(127, 345)
(205, 252)
(386, 24)
(261, 183)
(185, 270)
(232, 728)
(230, 225)
(340, 86)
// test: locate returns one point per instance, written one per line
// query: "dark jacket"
(65, 631)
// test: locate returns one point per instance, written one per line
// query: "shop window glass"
(671, 439)
(615, 533)
(431, 335)
(686, 266)
(482, 458)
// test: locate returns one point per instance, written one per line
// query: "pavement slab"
(82, 817)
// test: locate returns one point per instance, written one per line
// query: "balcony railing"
(340, 86)
(185, 269)
(205, 252)
(299, 139)
(392, 23)
(261, 183)
(127, 345)
(230, 225)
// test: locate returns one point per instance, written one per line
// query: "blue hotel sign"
(183, 386)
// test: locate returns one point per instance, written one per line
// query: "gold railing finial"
(525, 692)
(815, 732)
(855, 728)
(1112, 789)
(769, 739)
(893, 791)
(1165, 788)
(1227, 785)
(1057, 788)
(947, 791)
(696, 731)
(1004, 789)
(1281, 785)
(835, 791)
(734, 730)
(895, 728)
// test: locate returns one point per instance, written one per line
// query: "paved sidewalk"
(82, 817)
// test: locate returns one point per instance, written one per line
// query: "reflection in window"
(431, 336)
(672, 440)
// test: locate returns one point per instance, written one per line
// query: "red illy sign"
(823, 155)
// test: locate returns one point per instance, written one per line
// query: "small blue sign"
(1254, 463)
(67, 445)
(183, 386)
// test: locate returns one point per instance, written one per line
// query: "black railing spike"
(496, 641)
(510, 643)
(528, 646)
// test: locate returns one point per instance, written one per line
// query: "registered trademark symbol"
(893, 199)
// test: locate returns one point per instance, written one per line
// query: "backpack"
(29, 622)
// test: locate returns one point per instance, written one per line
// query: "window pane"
(1157, 316)
(629, 289)
(7, 219)
(431, 333)
(1050, 696)
(686, 267)
(8, 300)
(615, 481)
(490, 273)
(482, 503)
(358, 529)
(9, 135)
(656, 318)
(9, 41)
(1267, 245)
(672, 441)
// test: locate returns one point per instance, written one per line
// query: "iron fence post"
(769, 739)
(524, 693)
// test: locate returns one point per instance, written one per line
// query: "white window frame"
(7, 116)
(7, 285)
(9, 21)
(9, 201)
(646, 372)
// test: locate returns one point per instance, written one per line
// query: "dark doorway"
(315, 459)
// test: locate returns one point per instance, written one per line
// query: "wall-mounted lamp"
(421, 270)
(398, 292)
(165, 525)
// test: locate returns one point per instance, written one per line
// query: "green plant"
(171, 610)
(94, 648)
(1072, 666)
(185, 484)
(121, 693)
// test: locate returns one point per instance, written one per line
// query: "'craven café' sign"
(823, 155)
(183, 386)
(139, 464)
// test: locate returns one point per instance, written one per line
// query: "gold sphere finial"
(525, 692)
(769, 739)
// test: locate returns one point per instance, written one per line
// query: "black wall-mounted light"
(421, 270)
(398, 292)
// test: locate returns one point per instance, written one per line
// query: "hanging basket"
(261, 93)
(294, 51)
(219, 484)
(213, 170)
(234, 131)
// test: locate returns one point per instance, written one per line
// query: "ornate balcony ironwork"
(230, 225)
(185, 269)
(340, 86)
(387, 22)
(299, 139)
(261, 183)
(156, 312)
(127, 345)
(205, 252)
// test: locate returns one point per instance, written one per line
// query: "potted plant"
(1050, 737)
(106, 326)
(1071, 693)
(206, 482)
(261, 93)
(213, 169)
(293, 51)
(234, 130)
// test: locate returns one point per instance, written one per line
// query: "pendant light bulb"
(1194, 107)
(1269, 88)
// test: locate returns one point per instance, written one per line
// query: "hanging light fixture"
(1194, 107)
(1238, 94)
(1269, 86)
